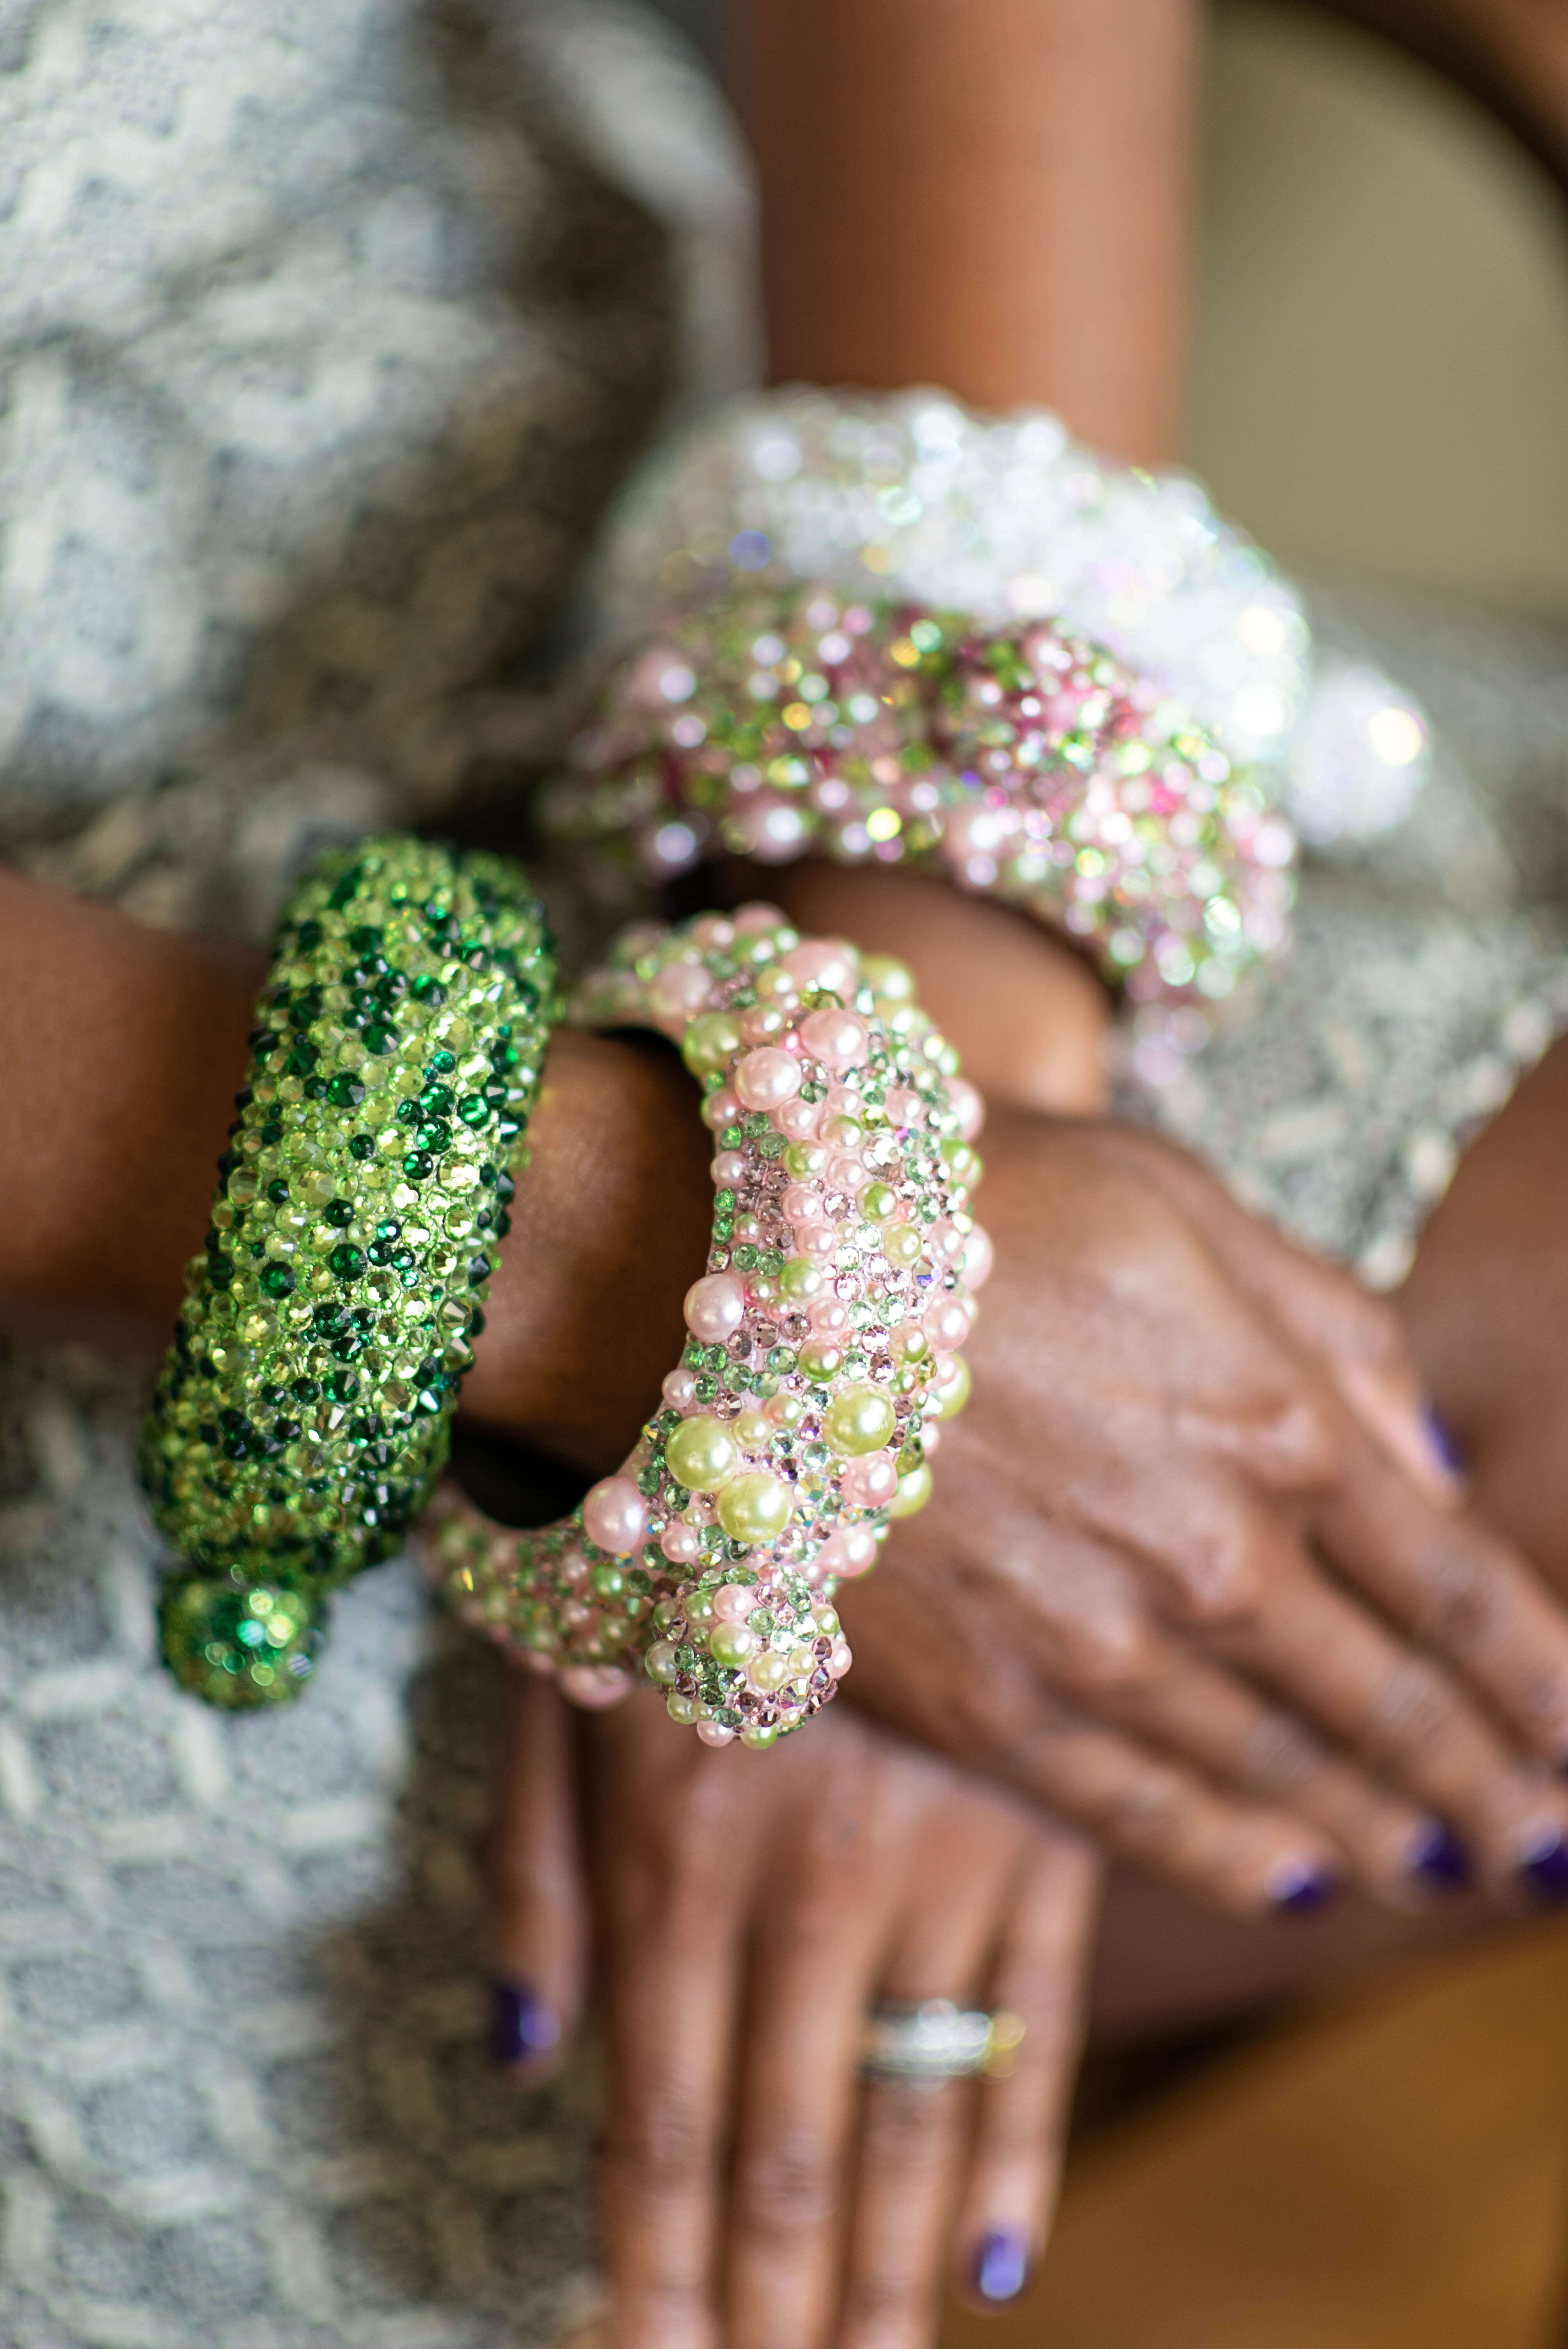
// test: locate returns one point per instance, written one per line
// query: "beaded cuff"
(913, 496)
(1022, 761)
(303, 1413)
(822, 1347)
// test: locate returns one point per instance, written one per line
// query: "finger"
(1403, 1854)
(1354, 1338)
(672, 1922)
(1402, 1714)
(984, 1705)
(815, 1963)
(539, 1904)
(911, 2138)
(1041, 1978)
(1460, 1588)
(1097, 1642)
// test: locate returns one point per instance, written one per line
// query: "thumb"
(538, 1896)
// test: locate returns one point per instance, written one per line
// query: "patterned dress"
(326, 330)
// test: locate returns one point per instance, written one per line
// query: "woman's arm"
(121, 1049)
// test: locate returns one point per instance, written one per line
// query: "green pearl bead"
(760, 1737)
(859, 1421)
(685, 1710)
(708, 1042)
(952, 1391)
(729, 1644)
(800, 1279)
(903, 1244)
(803, 1160)
(913, 1493)
(878, 1202)
(660, 1663)
(754, 1508)
(702, 1454)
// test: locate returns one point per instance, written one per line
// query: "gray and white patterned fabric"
(321, 345)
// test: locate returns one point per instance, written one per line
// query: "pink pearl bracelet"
(823, 1347)
(1023, 761)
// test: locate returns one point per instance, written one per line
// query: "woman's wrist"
(1027, 1014)
(609, 1230)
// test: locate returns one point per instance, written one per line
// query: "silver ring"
(926, 2045)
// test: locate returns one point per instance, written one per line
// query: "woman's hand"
(752, 1910)
(1160, 1504)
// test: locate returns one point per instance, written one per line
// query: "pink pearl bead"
(797, 1120)
(729, 1169)
(944, 1242)
(836, 1039)
(574, 1568)
(733, 1602)
(761, 1025)
(713, 1733)
(819, 1242)
(802, 1204)
(757, 915)
(720, 1110)
(644, 686)
(828, 1316)
(869, 1483)
(979, 1258)
(846, 1173)
(946, 1324)
(848, 1553)
(679, 1390)
(840, 1660)
(678, 994)
(969, 1103)
(595, 1687)
(680, 1544)
(765, 1077)
(843, 1101)
(615, 1515)
(714, 1307)
(712, 932)
(903, 1106)
(830, 963)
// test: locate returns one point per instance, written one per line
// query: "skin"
(1021, 195)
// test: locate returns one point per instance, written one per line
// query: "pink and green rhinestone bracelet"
(823, 1345)
(302, 1413)
(1023, 762)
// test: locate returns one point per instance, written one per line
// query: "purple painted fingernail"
(523, 2026)
(1002, 2269)
(1301, 1887)
(1441, 1438)
(1543, 1864)
(1437, 1853)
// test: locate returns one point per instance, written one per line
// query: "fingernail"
(523, 2026)
(1437, 1853)
(1002, 2269)
(1300, 1887)
(1544, 1865)
(1440, 1437)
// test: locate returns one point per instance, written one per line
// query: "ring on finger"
(936, 2040)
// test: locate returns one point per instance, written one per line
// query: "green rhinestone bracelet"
(302, 1413)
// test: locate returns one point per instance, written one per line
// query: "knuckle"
(787, 2185)
(1296, 1445)
(1279, 1755)
(660, 2149)
(908, 2130)
(1106, 1654)
(1412, 1708)
(1218, 1583)
(883, 2309)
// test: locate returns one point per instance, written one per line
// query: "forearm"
(992, 197)
(121, 1049)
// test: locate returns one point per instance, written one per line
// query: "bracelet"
(822, 1349)
(912, 496)
(1024, 762)
(303, 1413)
